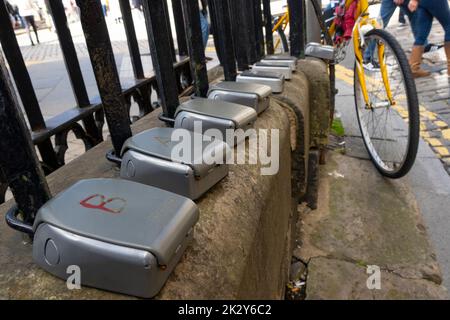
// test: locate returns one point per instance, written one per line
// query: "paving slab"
(337, 279)
(364, 219)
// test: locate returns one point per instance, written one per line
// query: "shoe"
(415, 61)
(371, 66)
(432, 47)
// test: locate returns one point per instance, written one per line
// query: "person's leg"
(412, 17)
(423, 27)
(27, 29)
(22, 22)
(441, 11)
(387, 9)
(33, 24)
(205, 29)
(401, 16)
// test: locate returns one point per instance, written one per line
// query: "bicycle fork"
(281, 23)
(358, 42)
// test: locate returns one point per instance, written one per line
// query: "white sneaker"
(369, 66)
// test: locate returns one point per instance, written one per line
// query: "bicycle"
(280, 23)
(386, 101)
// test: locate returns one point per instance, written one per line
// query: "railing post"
(135, 54)
(297, 27)
(162, 62)
(24, 86)
(249, 15)
(240, 35)
(259, 36)
(220, 11)
(69, 53)
(191, 14)
(179, 26)
(105, 71)
(313, 33)
(3, 187)
(214, 28)
(169, 31)
(18, 161)
(268, 27)
(73, 66)
(133, 45)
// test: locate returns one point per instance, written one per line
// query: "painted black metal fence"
(238, 28)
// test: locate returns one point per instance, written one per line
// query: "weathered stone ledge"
(242, 243)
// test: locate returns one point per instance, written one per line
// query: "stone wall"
(242, 244)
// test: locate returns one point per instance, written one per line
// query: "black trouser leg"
(31, 22)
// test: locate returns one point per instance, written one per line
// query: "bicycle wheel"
(390, 132)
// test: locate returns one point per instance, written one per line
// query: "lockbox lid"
(278, 65)
(280, 57)
(263, 74)
(158, 143)
(123, 213)
(262, 91)
(237, 113)
(321, 51)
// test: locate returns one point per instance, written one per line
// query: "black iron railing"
(239, 37)
(86, 119)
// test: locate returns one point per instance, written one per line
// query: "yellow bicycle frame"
(362, 20)
(284, 20)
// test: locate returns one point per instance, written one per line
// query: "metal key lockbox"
(285, 70)
(180, 161)
(215, 114)
(251, 95)
(320, 51)
(120, 235)
(272, 79)
(281, 60)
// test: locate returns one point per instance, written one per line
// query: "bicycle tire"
(413, 108)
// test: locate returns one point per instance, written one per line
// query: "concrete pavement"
(365, 221)
(428, 179)
(426, 191)
(428, 182)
